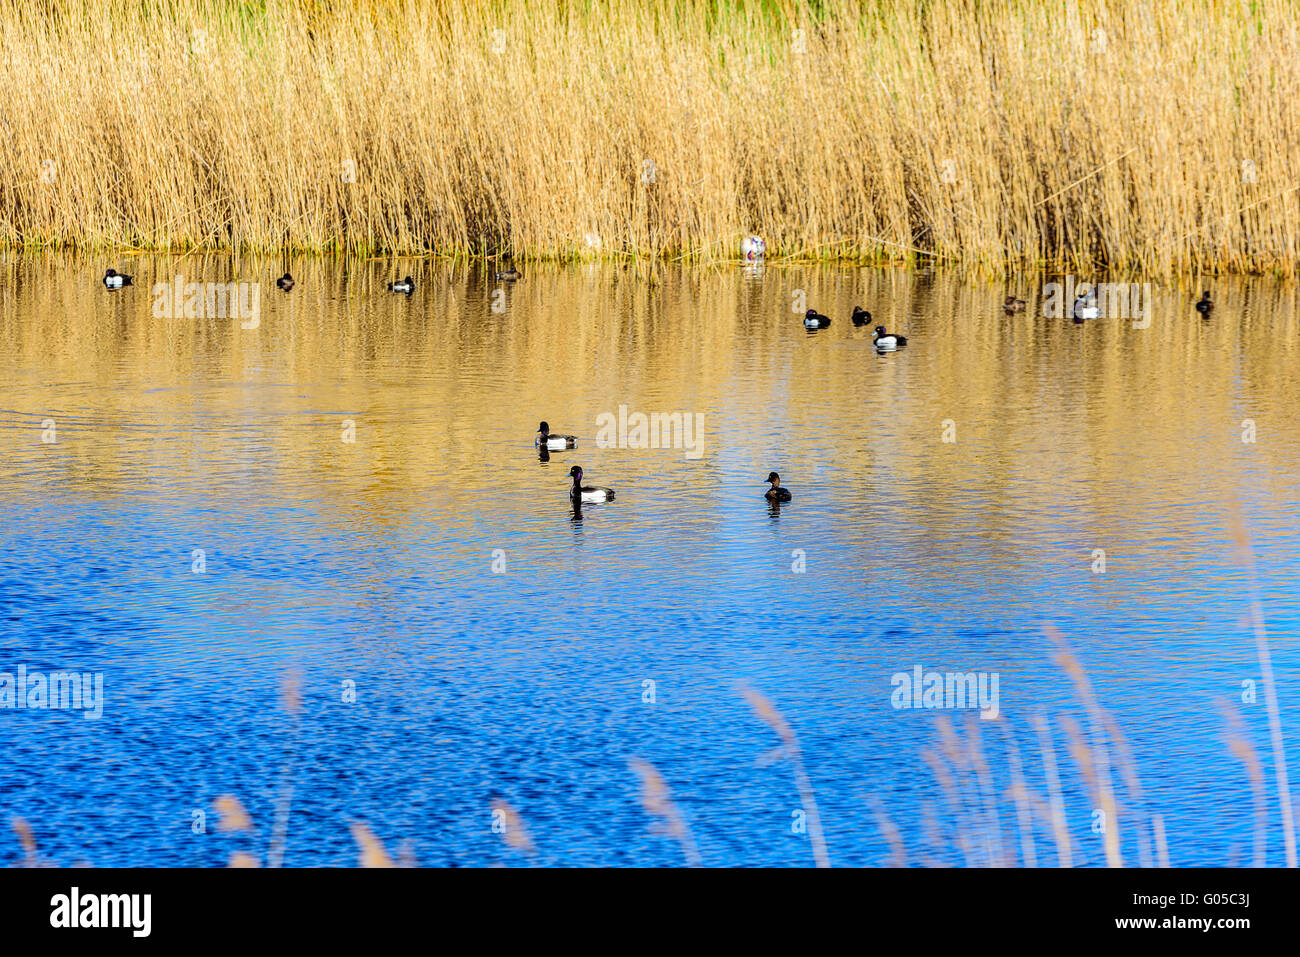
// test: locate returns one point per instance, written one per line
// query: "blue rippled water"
(434, 684)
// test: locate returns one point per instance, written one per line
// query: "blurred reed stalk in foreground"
(789, 750)
(510, 826)
(971, 832)
(973, 828)
(1256, 618)
(1154, 135)
(658, 801)
(291, 702)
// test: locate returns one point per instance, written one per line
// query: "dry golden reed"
(511, 826)
(1159, 135)
(790, 750)
(657, 800)
(233, 817)
(291, 692)
(1245, 550)
(973, 828)
(1239, 746)
(26, 839)
(371, 848)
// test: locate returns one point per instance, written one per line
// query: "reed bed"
(1159, 136)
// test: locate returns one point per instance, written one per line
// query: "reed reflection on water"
(359, 477)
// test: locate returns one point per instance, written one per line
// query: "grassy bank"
(1159, 136)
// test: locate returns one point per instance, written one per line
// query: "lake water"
(194, 525)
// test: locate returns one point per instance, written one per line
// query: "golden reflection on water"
(1131, 438)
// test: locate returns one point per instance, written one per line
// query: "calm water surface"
(371, 562)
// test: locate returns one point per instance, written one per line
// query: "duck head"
(773, 479)
(111, 272)
(880, 330)
(576, 472)
(543, 428)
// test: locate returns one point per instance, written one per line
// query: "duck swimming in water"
(547, 439)
(115, 280)
(588, 493)
(776, 493)
(1012, 305)
(888, 340)
(1206, 305)
(1085, 307)
(406, 286)
(815, 320)
(509, 274)
(861, 317)
(285, 282)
